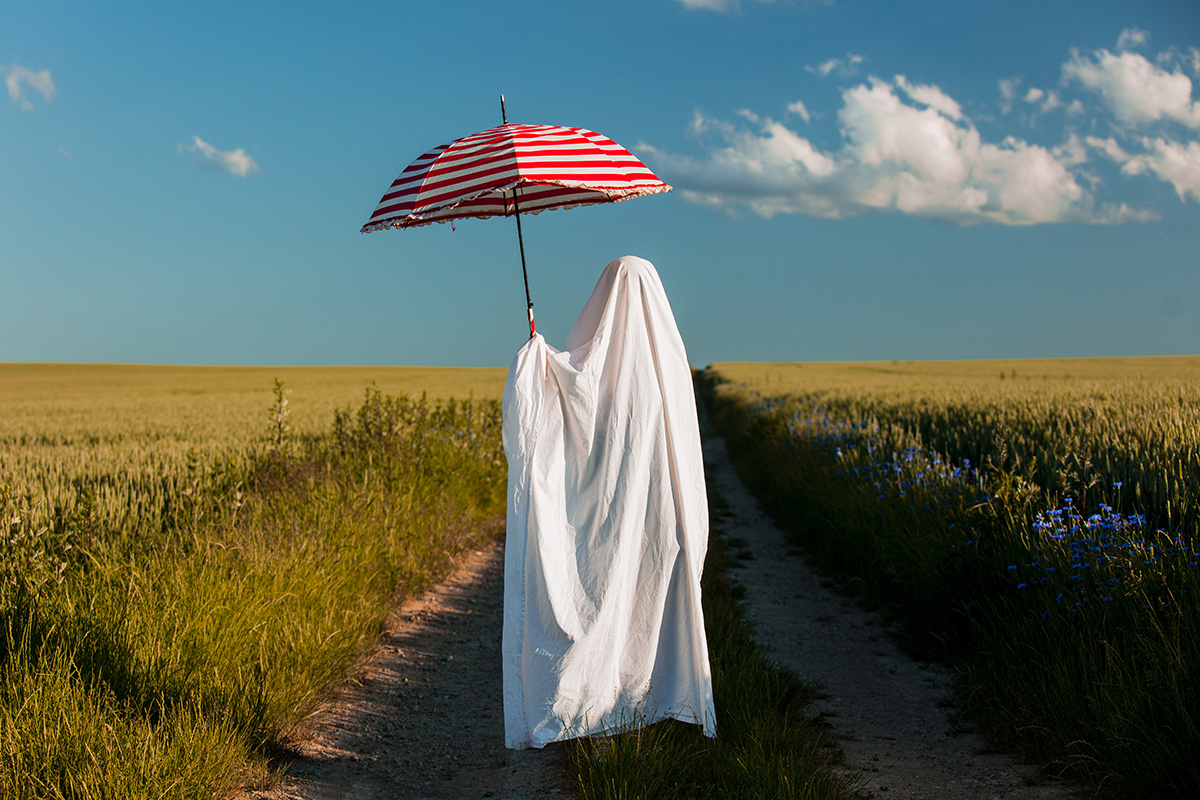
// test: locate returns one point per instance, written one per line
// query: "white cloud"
(711, 5)
(1052, 101)
(1008, 92)
(1132, 37)
(922, 162)
(1046, 100)
(904, 148)
(798, 108)
(731, 6)
(1071, 152)
(1175, 163)
(39, 81)
(931, 96)
(235, 162)
(1137, 91)
(1109, 147)
(842, 66)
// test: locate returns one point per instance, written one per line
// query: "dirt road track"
(891, 712)
(424, 719)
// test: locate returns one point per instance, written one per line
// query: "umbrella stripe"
(561, 156)
(430, 199)
(503, 173)
(438, 192)
(496, 205)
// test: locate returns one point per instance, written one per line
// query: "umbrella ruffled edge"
(420, 221)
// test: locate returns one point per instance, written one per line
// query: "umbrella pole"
(520, 237)
(524, 272)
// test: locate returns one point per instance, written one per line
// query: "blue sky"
(184, 183)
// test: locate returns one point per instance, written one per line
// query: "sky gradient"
(185, 183)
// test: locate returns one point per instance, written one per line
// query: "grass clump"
(766, 747)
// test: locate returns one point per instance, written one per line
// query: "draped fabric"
(607, 524)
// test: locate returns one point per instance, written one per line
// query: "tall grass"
(167, 648)
(1070, 611)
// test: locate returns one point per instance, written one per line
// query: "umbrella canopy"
(513, 169)
(509, 169)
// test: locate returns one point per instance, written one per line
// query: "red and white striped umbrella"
(510, 170)
(550, 166)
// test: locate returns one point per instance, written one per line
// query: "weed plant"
(767, 746)
(1074, 625)
(166, 646)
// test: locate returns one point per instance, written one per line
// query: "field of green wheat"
(1035, 523)
(191, 556)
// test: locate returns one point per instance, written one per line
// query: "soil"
(424, 719)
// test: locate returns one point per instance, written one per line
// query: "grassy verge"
(1076, 635)
(766, 746)
(169, 660)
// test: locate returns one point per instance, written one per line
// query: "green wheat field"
(1034, 523)
(191, 557)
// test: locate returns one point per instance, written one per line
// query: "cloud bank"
(910, 148)
(17, 78)
(235, 162)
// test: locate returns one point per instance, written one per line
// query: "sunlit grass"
(162, 632)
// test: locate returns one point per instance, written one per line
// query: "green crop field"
(1033, 522)
(191, 556)
(130, 431)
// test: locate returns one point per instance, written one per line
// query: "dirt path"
(891, 711)
(425, 719)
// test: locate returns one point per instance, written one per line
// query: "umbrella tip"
(503, 113)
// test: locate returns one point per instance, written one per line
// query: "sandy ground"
(424, 717)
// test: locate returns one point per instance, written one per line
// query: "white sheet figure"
(607, 524)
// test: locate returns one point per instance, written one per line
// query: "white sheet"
(607, 524)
